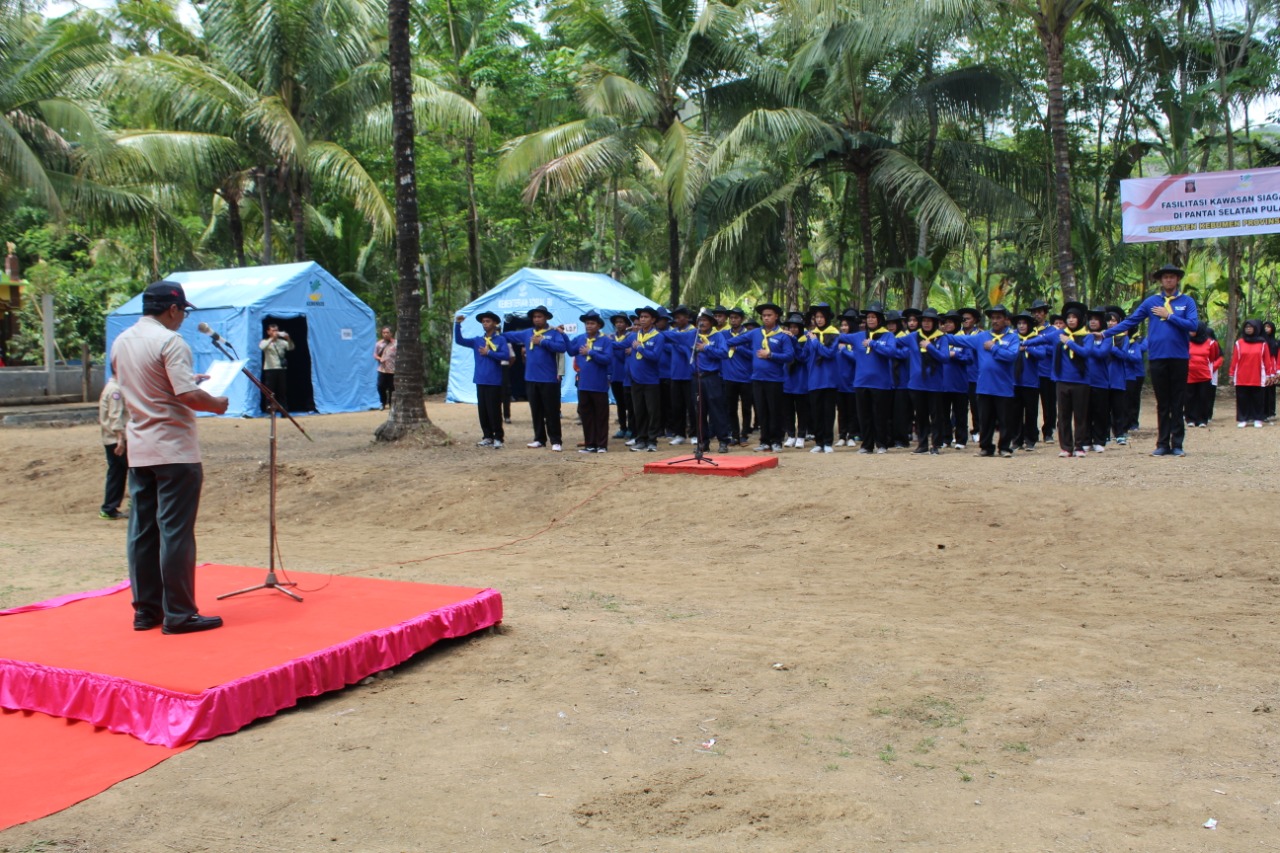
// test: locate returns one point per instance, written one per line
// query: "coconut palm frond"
(332, 167)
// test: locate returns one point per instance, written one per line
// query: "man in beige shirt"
(112, 418)
(275, 373)
(152, 363)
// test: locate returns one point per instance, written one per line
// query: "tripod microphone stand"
(274, 405)
(698, 458)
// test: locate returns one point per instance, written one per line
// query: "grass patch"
(888, 755)
(1018, 746)
(925, 746)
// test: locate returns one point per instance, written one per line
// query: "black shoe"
(985, 453)
(194, 624)
(921, 450)
(113, 515)
(143, 621)
(724, 447)
(933, 452)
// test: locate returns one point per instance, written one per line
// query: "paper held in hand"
(221, 375)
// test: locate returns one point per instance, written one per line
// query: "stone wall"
(26, 385)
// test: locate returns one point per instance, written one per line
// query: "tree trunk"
(408, 413)
(673, 249)
(236, 225)
(864, 223)
(263, 177)
(791, 285)
(473, 216)
(617, 233)
(298, 212)
(1054, 42)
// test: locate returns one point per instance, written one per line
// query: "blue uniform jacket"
(1135, 367)
(593, 368)
(995, 365)
(846, 368)
(645, 361)
(540, 360)
(955, 363)
(823, 367)
(1117, 363)
(737, 360)
(1027, 369)
(1041, 357)
(1069, 362)
(781, 349)
(1169, 338)
(1098, 353)
(711, 359)
(795, 378)
(925, 373)
(489, 354)
(618, 370)
(971, 369)
(874, 358)
(680, 347)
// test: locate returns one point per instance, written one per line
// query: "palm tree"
(657, 69)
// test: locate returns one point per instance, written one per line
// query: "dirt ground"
(846, 653)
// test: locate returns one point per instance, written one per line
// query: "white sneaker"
(679, 439)
(497, 445)
(485, 442)
(839, 442)
(958, 446)
(602, 450)
(1257, 424)
(790, 442)
(535, 444)
(827, 449)
(1064, 454)
(557, 448)
(881, 450)
(630, 442)
(800, 443)
(817, 448)
(1098, 448)
(973, 436)
(1241, 425)
(777, 448)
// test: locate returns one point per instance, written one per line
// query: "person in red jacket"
(1206, 358)
(1252, 369)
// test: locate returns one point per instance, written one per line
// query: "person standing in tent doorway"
(541, 345)
(274, 375)
(384, 352)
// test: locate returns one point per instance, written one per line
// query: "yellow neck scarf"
(537, 336)
(925, 340)
(642, 337)
(488, 342)
(822, 333)
(1028, 336)
(765, 335)
(1077, 334)
(1168, 303)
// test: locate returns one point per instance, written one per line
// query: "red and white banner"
(1190, 207)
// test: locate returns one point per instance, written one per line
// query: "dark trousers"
(1269, 402)
(1250, 402)
(847, 415)
(975, 421)
(544, 406)
(622, 399)
(647, 400)
(768, 400)
(709, 408)
(506, 393)
(822, 416)
(795, 415)
(931, 419)
(117, 477)
(1099, 415)
(958, 416)
(1119, 412)
(277, 383)
(162, 539)
(1196, 410)
(903, 417)
(1026, 405)
(386, 387)
(489, 408)
(593, 410)
(664, 408)
(1169, 381)
(995, 413)
(1048, 407)
(1073, 416)
(1133, 391)
(682, 416)
(875, 413)
(738, 394)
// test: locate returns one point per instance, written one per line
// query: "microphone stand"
(274, 405)
(698, 458)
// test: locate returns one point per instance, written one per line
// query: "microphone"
(205, 329)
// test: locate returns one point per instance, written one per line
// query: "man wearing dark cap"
(541, 379)
(489, 351)
(735, 370)
(772, 349)
(152, 363)
(644, 347)
(996, 351)
(592, 360)
(1173, 317)
(1048, 392)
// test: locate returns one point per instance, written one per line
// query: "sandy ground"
(847, 653)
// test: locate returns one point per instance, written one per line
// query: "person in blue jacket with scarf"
(1066, 348)
(846, 393)
(875, 351)
(709, 357)
(644, 347)
(773, 349)
(925, 384)
(822, 352)
(619, 380)
(735, 372)
(1026, 384)
(542, 383)
(593, 359)
(1172, 317)
(996, 351)
(490, 350)
(1135, 378)
(795, 384)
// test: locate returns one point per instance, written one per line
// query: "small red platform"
(726, 466)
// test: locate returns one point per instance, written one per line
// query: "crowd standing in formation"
(878, 379)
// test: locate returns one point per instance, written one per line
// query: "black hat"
(1040, 304)
(484, 314)
(911, 312)
(650, 310)
(876, 308)
(621, 315)
(751, 324)
(824, 307)
(893, 316)
(720, 309)
(776, 308)
(738, 311)
(541, 308)
(931, 313)
(998, 308)
(591, 315)
(162, 294)
(1117, 310)
(1022, 315)
(1053, 318)
(1176, 270)
(663, 313)
(795, 318)
(1074, 308)
(1097, 311)
(973, 312)
(707, 314)
(682, 309)
(852, 313)
(953, 316)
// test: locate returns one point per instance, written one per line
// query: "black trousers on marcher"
(682, 414)
(117, 478)
(1073, 416)
(958, 417)
(903, 417)
(875, 413)
(769, 410)
(162, 539)
(1026, 405)
(277, 382)
(622, 399)
(738, 394)
(386, 387)
(795, 415)
(1169, 381)
(1196, 409)
(544, 406)
(1048, 407)
(1119, 412)
(1133, 390)
(710, 408)
(593, 411)
(1269, 402)
(995, 413)
(847, 415)
(1250, 402)
(973, 408)
(931, 419)
(822, 416)
(664, 407)
(647, 400)
(1099, 415)
(489, 409)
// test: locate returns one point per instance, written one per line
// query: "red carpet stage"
(79, 657)
(726, 466)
